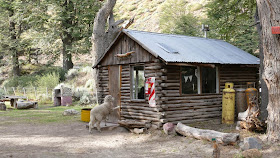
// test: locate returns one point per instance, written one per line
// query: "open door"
(114, 90)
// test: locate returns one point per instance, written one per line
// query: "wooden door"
(114, 90)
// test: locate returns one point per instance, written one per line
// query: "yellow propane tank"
(228, 104)
(251, 91)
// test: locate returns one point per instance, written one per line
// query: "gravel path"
(61, 140)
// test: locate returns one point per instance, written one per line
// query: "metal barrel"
(250, 92)
(240, 100)
(85, 114)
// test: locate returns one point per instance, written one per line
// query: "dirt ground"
(72, 139)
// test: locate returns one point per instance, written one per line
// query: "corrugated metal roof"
(191, 49)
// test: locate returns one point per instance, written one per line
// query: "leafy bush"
(83, 95)
(175, 19)
(90, 84)
(20, 81)
(195, 7)
(71, 73)
(2, 93)
(58, 70)
(87, 69)
(49, 80)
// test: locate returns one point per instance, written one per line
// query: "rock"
(2, 106)
(252, 153)
(251, 143)
(70, 112)
(138, 130)
(169, 128)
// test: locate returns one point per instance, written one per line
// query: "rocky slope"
(147, 12)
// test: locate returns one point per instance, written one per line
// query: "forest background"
(47, 42)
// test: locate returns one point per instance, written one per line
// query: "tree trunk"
(269, 14)
(67, 38)
(67, 57)
(13, 50)
(15, 63)
(101, 38)
(264, 91)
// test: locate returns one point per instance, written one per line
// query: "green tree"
(16, 18)
(176, 19)
(232, 20)
(71, 23)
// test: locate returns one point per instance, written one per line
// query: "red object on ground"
(275, 29)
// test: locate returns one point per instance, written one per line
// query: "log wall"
(171, 105)
(186, 108)
(239, 75)
(102, 83)
(139, 110)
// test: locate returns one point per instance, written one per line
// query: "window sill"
(203, 94)
(138, 100)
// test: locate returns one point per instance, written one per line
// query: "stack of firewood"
(249, 119)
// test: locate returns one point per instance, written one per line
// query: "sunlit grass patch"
(44, 114)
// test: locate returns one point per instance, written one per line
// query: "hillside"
(147, 12)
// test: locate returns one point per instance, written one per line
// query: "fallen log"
(222, 138)
(27, 104)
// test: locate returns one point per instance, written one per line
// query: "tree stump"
(249, 119)
(2, 106)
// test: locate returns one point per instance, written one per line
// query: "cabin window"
(199, 80)
(189, 78)
(208, 76)
(138, 82)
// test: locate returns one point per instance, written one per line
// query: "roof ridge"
(174, 35)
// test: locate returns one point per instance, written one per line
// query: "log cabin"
(190, 74)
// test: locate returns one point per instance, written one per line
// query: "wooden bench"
(12, 99)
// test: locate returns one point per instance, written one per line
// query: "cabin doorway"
(114, 90)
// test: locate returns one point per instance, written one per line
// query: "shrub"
(2, 93)
(90, 84)
(50, 69)
(49, 80)
(71, 73)
(87, 69)
(20, 81)
(83, 95)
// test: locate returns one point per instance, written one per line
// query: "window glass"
(138, 81)
(189, 78)
(208, 80)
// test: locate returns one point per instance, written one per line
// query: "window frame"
(132, 82)
(199, 81)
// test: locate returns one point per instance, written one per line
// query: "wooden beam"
(191, 64)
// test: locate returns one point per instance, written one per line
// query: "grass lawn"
(46, 113)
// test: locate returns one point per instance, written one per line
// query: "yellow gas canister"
(228, 104)
(251, 91)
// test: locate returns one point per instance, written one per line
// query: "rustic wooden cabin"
(190, 74)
